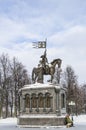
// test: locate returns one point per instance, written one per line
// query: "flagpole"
(42, 44)
(45, 53)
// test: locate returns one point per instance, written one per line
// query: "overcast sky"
(62, 22)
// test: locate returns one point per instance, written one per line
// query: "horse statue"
(37, 73)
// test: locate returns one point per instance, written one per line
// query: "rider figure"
(44, 60)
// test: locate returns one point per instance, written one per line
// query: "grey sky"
(62, 22)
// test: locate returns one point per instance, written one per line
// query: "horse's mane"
(55, 60)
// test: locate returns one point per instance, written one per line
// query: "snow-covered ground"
(8, 121)
(81, 119)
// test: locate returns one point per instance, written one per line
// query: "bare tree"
(20, 78)
(71, 85)
(83, 90)
(57, 76)
(4, 81)
(13, 76)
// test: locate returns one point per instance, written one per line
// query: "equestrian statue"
(45, 68)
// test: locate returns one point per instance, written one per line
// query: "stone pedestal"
(42, 105)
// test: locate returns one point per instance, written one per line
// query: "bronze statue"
(44, 69)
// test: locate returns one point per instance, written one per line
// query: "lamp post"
(71, 104)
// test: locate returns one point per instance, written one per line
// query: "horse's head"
(57, 61)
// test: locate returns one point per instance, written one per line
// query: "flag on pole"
(39, 44)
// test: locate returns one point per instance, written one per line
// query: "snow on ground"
(8, 121)
(81, 119)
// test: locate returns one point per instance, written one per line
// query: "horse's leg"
(34, 76)
(51, 78)
(40, 76)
